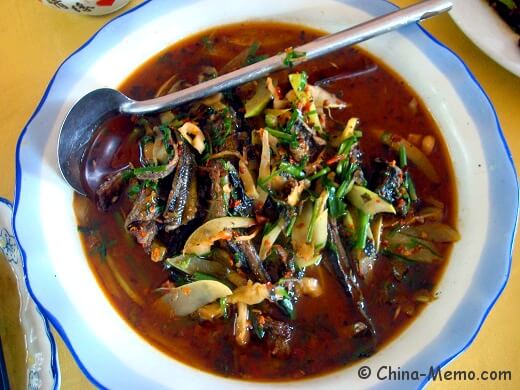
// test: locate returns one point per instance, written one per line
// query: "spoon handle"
(317, 48)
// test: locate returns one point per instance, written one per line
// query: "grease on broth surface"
(324, 337)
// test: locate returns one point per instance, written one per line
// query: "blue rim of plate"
(445, 362)
(370, 7)
(50, 337)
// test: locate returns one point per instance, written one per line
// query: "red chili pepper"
(335, 159)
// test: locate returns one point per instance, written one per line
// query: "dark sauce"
(324, 340)
(110, 150)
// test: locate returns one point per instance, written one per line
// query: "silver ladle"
(84, 117)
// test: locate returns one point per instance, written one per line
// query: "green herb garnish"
(509, 4)
(291, 56)
(103, 246)
(167, 136)
(155, 169)
(208, 43)
(146, 139)
(134, 190)
(251, 55)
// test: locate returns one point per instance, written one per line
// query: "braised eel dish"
(278, 230)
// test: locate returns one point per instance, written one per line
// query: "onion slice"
(186, 299)
(435, 232)
(201, 240)
(194, 135)
(368, 201)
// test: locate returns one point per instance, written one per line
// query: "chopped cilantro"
(291, 56)
(294, 170)
(167, 136)
(208, 43)
(221, 132)
(146, 140)
(134, 190)
(158, 168)
(103, 246)
(251, 54)
(295, 115)
(87, 229)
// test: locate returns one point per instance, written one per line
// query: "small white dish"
(489, 32)
(42, 371)
(87, 7)
(57, 270)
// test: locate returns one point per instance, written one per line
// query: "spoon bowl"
(78, 128)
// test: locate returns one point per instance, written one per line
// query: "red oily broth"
(323, 340)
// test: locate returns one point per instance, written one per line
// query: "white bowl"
(489, 32)
(110, 353)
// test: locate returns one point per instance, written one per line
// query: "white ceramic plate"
(42, 371)
(109, 352)
(488, 31)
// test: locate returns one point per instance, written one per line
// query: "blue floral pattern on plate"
(8, 246)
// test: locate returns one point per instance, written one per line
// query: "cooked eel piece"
(220, 129)
(163, 148)
(388, 179)
(274, 263)
(280, 263)
(190, 212)
(340, 263)
(305, 147)
(316, 139)
(278, 334)
(218, 204)
(141, 220)
(109, 192)
(356, 157)
(245, 250)
(242, 204)
(182, 190)
(365, 260)
(174, 241)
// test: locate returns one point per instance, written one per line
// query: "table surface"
(36, 39)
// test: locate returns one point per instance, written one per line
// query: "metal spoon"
(87, 113)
